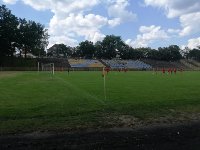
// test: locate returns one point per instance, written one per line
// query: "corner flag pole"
(53, 69)
(38, 66)
(104, 78)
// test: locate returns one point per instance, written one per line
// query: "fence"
(81, 69)
(61, 69)
(18, 68)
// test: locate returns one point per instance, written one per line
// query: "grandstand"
(165, 64)
(144, 64)
(194, 62)
(191, 64)
(85, 63)
(131, 64)
(93, 64)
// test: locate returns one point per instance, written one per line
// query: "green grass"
(30, 101)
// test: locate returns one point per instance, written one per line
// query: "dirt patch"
(122, 121)
(4, 74)
(128, 121)
(179, 137)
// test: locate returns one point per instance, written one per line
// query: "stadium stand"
(85, 63)
(190, 64)
(194, 62)
(131, 64)
(62, 64)
(165, 64)
(137, 64)
(104, 63)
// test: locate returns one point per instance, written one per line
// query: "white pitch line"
(78, 89)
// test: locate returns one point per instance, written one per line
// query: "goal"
(48, 67)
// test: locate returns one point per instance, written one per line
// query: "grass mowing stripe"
(31, 101)
(82, 91)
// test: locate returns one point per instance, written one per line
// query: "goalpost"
(47, 67)
(104, 82)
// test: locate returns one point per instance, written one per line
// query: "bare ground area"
(179, 136)
(8, 74)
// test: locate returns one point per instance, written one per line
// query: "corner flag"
(103, 72)
(104, 79)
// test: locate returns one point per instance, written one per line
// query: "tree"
(111, 46)
(136, 54)
(175, 52)
(21, 35)
(170, 53)
(8, 32)
(194, 54)
(86, 49)
(74, 51)
(98, 50)
(145, 51)
(59, 50)
(184, 52)
(33, 37)
(40, 52)
(153, 54)
(128, 52)
(125, 52)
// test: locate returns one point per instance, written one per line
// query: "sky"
(140, 23)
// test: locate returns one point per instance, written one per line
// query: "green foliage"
(130, 53)
(59, 50)
(98, 50)
(111, 45)
(86, 49)
(170, 53)
(194, 54)
(16, 33)
(32, 37)
(8, 32)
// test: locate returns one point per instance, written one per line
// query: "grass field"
(39, 102)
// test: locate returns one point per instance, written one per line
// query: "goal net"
(49, 67)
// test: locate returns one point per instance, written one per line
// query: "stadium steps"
(194, 62)
(189, 64)
(178, 65)
(165, 64)
(105, 64)
(130, 64)
(85, 63)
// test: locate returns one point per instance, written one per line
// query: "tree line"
(20, 35)
(113, 46)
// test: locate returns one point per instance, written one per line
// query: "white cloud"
(87, 26)
(62, 6)
(193, 43)
(72, 18)
(145, 29)
(10, 1)
(62, 39)
(173, 31)
(175, 8)
(117, 9)
(188, 12)
(114, 22)
(149, 34)
(190, 23)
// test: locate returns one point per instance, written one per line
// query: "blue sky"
(140, 23)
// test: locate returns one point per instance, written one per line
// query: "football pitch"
(31, 101)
